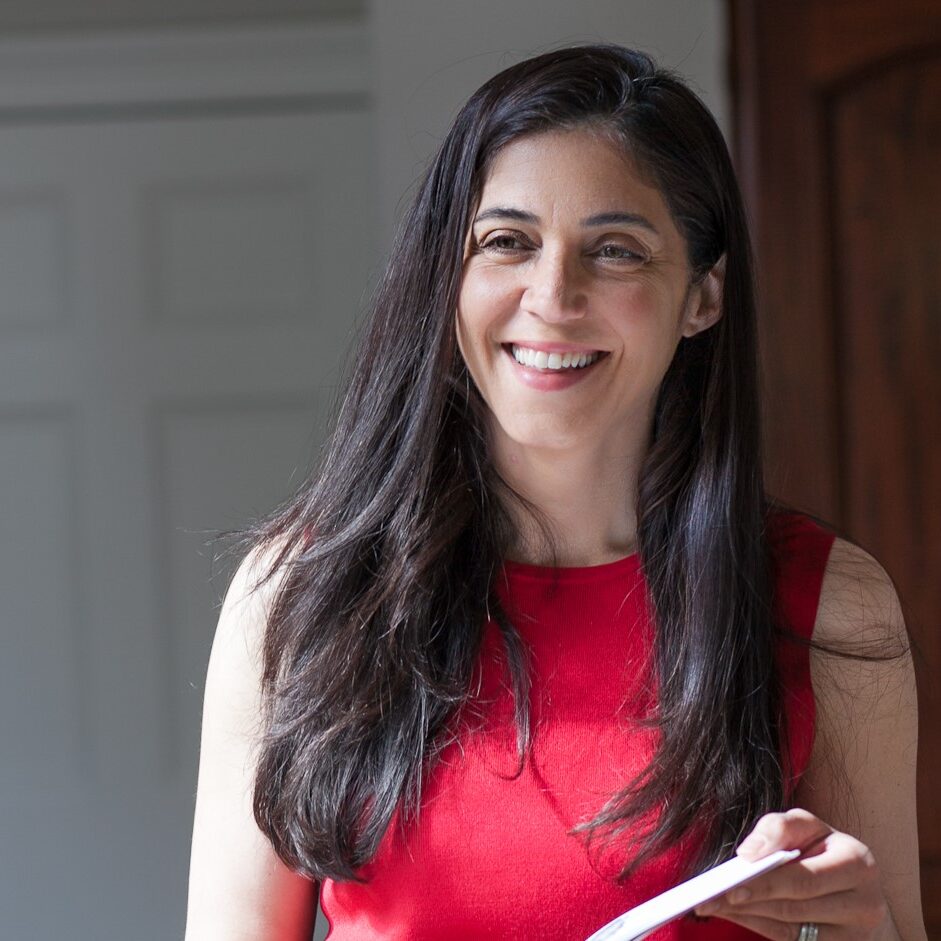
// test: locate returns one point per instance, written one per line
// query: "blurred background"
(196, 201)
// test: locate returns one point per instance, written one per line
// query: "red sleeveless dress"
(491, 855)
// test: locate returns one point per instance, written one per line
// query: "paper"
(643, 919)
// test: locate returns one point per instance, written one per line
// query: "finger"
(840, 908)
(851, 910)
(843, 863)
(793, 829)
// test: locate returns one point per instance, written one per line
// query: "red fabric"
(491, 856)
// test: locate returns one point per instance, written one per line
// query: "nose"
(554, 291)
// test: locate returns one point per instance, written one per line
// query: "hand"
(836, 885)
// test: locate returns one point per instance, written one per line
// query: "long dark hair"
(387, 555)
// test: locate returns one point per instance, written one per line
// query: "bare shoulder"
(238, 887)
(859, 604)
(233, 675)
(243, 619)
(251, 591)
(866, 674)
(861, 775)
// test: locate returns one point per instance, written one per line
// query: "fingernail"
(707, 908)
(753, 844)
(739, 896)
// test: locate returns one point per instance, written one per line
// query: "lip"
(551, 380)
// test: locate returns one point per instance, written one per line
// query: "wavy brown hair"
(377, 620)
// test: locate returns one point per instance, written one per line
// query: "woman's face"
(575, 294)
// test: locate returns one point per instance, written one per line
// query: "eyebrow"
(602, 218)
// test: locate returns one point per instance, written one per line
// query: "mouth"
(553, 361)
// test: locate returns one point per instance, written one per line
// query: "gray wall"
(426, 57)
(429, 56)
(21, 16)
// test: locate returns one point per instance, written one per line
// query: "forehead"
(577, 169)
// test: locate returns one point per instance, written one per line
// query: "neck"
(588, 496)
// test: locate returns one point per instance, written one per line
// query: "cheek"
(485, 300)
(477, 324)
(638, 301)
(469, 348)
(460, 330)
(645, 315)
(471, 337)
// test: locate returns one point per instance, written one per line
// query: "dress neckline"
(572, 573)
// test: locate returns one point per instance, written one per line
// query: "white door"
(177, 291)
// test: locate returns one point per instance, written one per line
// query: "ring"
(808, 932)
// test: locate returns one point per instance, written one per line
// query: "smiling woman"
(533, 643)
(574, 293)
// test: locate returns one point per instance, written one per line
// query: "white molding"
(184, 65)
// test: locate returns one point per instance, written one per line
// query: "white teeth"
(539, 359)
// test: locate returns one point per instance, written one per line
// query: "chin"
(546, 438)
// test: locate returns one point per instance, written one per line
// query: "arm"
(238, 888)
(860, 781)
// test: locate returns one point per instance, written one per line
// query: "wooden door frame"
(776, 70)
(801, 362)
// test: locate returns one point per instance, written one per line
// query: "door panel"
(838, 140)
(177, 296)
(887, 144)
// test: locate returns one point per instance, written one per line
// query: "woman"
(534, 644)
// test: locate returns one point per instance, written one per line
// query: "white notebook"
(643, 919)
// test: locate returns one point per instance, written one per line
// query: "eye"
(507, 243)
(492, 243)
(619, 253)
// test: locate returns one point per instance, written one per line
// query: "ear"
(705, 300)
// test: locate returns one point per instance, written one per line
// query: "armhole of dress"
(803, 550)
(827, 539)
